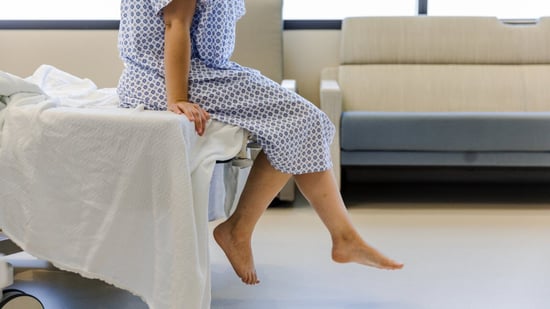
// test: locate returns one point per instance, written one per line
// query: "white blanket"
(115, 194)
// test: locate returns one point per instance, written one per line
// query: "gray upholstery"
(460, 131)
(447, 158)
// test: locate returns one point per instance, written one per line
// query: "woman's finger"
(188, 111)
(202, 117)
(194, 113)
(199, 123)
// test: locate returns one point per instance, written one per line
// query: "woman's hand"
(194, 113)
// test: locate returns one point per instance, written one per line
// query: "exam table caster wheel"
(16, 299)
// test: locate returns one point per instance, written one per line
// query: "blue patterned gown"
(294, 133)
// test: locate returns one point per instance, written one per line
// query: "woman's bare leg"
(264, 182)
(321, 191)
(234, 235)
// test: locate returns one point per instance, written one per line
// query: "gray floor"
(463, 247)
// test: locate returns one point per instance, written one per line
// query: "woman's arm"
(178, 16)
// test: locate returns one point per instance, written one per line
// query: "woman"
(176, 55)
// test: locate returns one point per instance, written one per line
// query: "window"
(104, 14)
(331, 9)
(59, 10)
(504, 9)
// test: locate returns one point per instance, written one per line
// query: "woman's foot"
(354, 249)
(239, 252)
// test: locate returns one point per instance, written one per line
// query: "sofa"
(426, 91)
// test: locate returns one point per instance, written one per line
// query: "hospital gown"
(294, 134)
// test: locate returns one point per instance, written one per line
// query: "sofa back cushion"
(443, 40)
(445, 88)
(444, 64)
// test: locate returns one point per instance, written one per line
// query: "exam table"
(120, 195)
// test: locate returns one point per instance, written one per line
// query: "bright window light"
(293, 9)
(504, 9)
(59, 10)
(331, 9)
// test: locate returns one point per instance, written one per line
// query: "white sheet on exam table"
(111, 193)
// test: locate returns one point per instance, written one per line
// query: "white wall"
(306, 53)
(93, 54)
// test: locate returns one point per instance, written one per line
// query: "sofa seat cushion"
(439, 131)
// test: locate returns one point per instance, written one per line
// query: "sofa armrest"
(331, 104)
(289, 84)
(331, 100)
